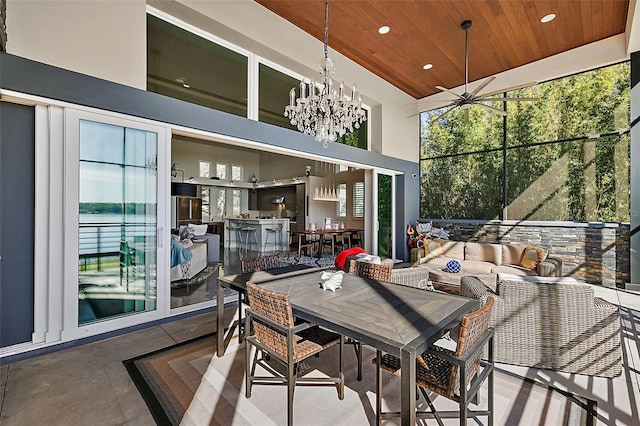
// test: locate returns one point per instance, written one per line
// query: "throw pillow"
(188, 233)
(452, 266)
(341, 258)
(532, 256)
(198, 230)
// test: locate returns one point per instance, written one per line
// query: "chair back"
(472, 329)
(277, 307)
(370, 270)
(260, 263)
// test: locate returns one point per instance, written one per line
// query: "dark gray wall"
(635, 169)
(17, 180)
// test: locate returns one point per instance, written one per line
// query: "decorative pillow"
(452, 266)
(532, 256)
(188, 233)
(341, 258)
(181, 231)
(198, 230)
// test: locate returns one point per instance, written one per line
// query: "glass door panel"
(385, 200)
(118, 218)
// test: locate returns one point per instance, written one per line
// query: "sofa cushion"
(452, 249)
(537, 279)
(484, 252)
(532, 256)
(512, 253)
(512, 269)
(435, 262)
(468, 267)
(432, 249)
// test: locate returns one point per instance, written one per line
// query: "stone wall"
(597, 253)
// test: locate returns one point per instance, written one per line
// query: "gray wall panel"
(17, 180)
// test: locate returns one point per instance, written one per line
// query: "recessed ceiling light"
(548, 18)
(185, 85)
(384, 29)
(427, 66)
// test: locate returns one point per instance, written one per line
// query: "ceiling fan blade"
(509, 89)
(443, 114)
(482, 85)
(444, 89)
(490, 108)
(483, 99)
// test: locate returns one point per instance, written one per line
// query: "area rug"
(186, 384)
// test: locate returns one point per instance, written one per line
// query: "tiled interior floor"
(88, 385)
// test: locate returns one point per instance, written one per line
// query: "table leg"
(408, 388)
(220, 325)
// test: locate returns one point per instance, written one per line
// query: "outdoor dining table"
(400, 320)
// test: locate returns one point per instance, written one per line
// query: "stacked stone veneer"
(597, 253)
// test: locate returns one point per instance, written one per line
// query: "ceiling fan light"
(384, 29)
(465, 105)
(548, 18)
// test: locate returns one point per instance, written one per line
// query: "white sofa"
(480, 259)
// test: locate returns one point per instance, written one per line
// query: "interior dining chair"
(442, 370)
(270, 326)
(373, 271)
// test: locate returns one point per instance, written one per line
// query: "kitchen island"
(278, 241)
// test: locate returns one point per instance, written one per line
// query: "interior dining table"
(322, 234)
(400, 320)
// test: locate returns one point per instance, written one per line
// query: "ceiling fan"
(466, 100)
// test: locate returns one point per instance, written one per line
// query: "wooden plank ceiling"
(505, 34)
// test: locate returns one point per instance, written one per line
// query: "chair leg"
(341, 372)
(240, 327)
(378, 388)
(291, 384)
(431, 407)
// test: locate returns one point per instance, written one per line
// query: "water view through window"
(117, 221)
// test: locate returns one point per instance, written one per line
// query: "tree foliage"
(559, 166)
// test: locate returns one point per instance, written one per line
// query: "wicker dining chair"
(441, 370)
(260, 263)
(270, 326)
(373, 271)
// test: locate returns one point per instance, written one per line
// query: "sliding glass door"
(115, 218)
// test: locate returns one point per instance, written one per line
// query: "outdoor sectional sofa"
(484, 260)
(553, 323)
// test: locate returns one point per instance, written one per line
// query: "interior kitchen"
(222, 185)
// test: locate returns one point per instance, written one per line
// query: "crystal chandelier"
(328, 113)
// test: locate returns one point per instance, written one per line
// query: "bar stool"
(276, 231)
(230, 228)
(250, 236)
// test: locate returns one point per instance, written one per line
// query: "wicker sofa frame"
(556, 325)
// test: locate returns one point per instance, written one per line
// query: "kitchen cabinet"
(253, 199)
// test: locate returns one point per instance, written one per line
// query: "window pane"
(205, 169)
(221, 202)
(451, 134)
(358, 199)
(236, 173)
(117, 222)
(221, 171)
(593, 102)
(185, 66)
(273, 96)
(574, 181)
(464, 187)
(236, 200)
(341, 205)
